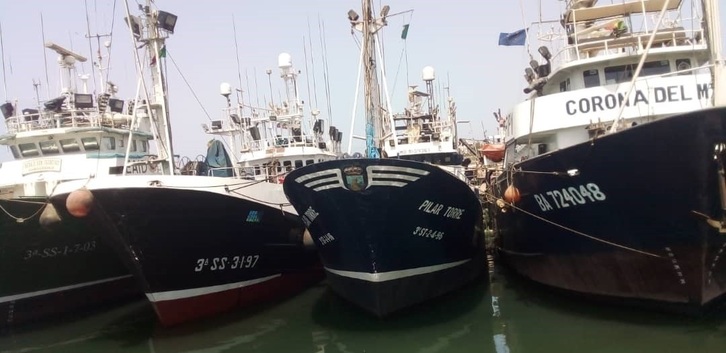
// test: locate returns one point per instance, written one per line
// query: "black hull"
(411, 231)
(50, 273)
(635, 226)
(198, 253)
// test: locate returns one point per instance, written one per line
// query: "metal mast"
(152, 32)
(713, 38)
(369, 26)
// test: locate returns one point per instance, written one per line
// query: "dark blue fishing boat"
(397, 230)
(616, 190)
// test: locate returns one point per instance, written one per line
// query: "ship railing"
(290, 141)
(270, 173)
(430, 131)
(633, 43)
(51, 120)
(229, 171)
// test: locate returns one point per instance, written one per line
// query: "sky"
(456, 37)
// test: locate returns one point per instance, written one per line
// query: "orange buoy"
(511, 195)
(79, 202)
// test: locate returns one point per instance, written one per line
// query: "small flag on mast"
(514, 38)
(162, 54)
(404, 34)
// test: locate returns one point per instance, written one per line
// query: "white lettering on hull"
(436, 208)
(572, 196)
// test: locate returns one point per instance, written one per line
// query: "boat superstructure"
(268, 142)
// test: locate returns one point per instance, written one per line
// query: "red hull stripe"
(195, 292)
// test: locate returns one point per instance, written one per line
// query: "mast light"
(167, 21)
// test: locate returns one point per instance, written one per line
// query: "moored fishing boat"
(49, 267)
(218, 235)
(613, 172)
(402, 225)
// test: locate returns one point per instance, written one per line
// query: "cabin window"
(659, 67)
(257, 170)
(143, 145)
(618, 74)
(109, 143)
(90, 143)
(624, 73)
(287, 165)
(309, 161)
(69, 145)
(122, 142)
(298, 163)
(49, 147)
(565, 85)
(14, 150)
(591, 78)
(133, 145)
(29, 150)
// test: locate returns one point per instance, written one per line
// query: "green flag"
(404, 34)
(162, 51)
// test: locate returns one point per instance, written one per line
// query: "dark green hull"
(52, 272)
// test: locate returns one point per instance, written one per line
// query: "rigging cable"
(307, 75)
(113, 20)
(45, 59)
(2, 51)
(326, 74)
(526, 29)
(312, 64)
(404, 54)
(90, 46)
(194, 94)
(236, 52)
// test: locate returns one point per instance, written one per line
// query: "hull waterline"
(198, 254)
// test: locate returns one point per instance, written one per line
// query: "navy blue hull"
(391, 233)
(63, 270)
(638, 220)
(198, 253)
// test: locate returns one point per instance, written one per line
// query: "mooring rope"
(23, 219)
(491, 196)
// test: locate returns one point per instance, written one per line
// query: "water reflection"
(320, 321)
(503, 315)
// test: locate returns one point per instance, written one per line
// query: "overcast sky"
(457, 37)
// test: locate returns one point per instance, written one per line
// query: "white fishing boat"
(269, 142)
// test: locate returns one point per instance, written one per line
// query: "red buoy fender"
(79, 202)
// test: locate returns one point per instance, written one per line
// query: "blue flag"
(514, 38)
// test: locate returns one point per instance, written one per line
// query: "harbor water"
(498, 314)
